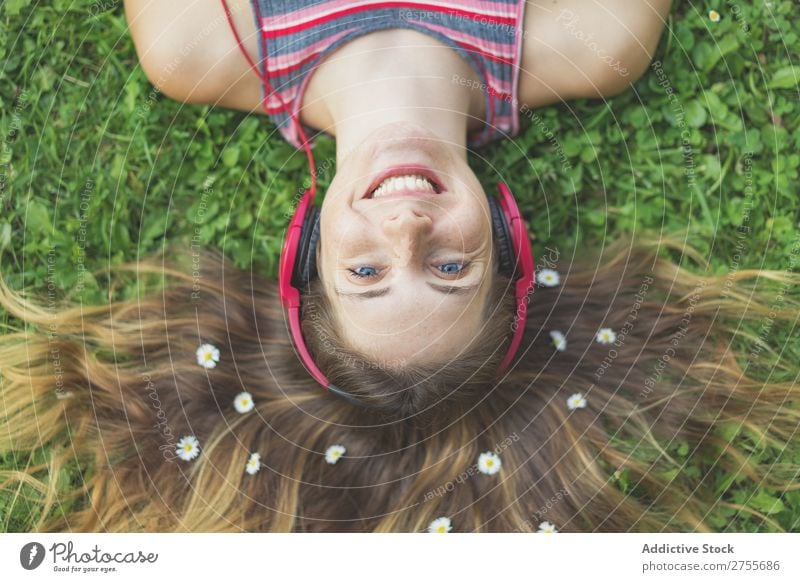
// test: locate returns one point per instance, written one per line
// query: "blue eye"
(364, 272)
(451, 268)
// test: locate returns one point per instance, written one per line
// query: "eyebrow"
(445, 289)
(454, 289)
(364, 294)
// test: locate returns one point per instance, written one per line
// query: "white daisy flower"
(243, 402)
(333, 453)
(577, 400)
(489, 463)
(440, 525)
(188, 448)
(713, 16)
(547, 527)
(606, 336)
(548, 278)
(207, 356)
(559, 341)
(253, 464)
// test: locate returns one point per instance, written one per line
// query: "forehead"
(411, 326)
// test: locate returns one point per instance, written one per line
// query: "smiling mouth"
(404, 181)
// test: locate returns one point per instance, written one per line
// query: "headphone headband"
(289, 292)
(523, 268)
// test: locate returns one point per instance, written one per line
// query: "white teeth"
(397, 183)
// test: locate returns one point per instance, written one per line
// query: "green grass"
(98, 168)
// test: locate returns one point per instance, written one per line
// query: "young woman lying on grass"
(191, 410)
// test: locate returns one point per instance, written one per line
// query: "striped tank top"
(296, 35)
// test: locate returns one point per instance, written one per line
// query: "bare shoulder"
(188, 51)
(576, 48)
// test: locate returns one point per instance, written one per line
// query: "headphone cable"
(270, 92)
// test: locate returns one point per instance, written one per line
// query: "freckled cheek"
(346, 240)
(468, 228)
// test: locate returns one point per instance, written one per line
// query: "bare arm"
(586, 48)
(571, 48)
(188, 51)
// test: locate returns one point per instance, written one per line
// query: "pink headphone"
(298, 256)
(298, 267)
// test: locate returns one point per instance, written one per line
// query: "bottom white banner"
(333, 557)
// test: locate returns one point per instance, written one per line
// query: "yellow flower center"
(207, 356)
(187, 447)
(489, 462)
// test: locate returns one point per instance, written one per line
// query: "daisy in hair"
(334, 453)
(548, 277)
(606, 335)
(440, 525)
(188, 448)
(207, 356)
(253, 464)
(489, 463)
(577, 400)
(243, 402)
(559, 341)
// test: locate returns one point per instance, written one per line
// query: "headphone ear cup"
(306, 266)
(502, 237)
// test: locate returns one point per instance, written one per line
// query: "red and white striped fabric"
(296, 35)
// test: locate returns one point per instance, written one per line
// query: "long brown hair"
(105, 392)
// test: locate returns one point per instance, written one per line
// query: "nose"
(406, 229)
